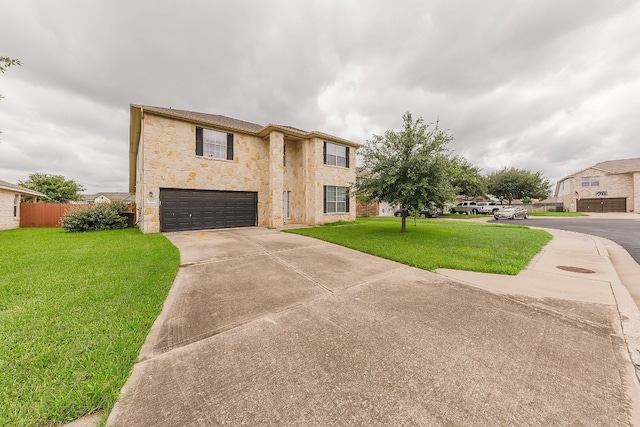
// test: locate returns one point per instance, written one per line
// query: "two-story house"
(610, 186)
(193, 171)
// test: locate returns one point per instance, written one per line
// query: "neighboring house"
(10, 195)
(375, 208)
(194, 171)
(611, 186)
(108, 198)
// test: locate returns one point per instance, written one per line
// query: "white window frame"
(336, 155)
(214, 144)
(336, 199)
(590, 181)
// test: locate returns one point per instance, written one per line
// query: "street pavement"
(268, 328)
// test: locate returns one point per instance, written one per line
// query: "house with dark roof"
(193, 171)
(108, 197)
(10, 196)
(610, 186)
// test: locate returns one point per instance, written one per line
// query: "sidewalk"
(576, 267)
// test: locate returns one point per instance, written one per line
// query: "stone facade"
(7, 205)
(616, 179)
(276, 162)
(10, 195)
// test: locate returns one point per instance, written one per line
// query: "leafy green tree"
(512, 183)
(6, 62)
(410, 167)
(56, 188)
(467, 179)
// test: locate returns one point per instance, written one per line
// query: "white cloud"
(539, 85)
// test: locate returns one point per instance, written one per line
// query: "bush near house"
(102, 216)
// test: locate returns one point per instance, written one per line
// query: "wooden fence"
(47, 214)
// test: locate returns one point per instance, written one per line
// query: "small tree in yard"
(410, 167)
(512, 183)
(56, 188)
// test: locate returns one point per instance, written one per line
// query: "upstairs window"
(336, 155)
(590, 181)
(213, 143)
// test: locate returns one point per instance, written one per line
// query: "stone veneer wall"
(166, 159)
(636, 187)
(332, 175)
(7, 201)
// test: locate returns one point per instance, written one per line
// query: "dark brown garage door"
(618, 204)
(182, 210)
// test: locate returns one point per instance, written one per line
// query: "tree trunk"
(403, 229)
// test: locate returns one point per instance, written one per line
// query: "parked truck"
(465, 208)
(474, 208)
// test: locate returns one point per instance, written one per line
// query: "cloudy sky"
(543, 85)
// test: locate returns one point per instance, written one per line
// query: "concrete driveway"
(267, 328)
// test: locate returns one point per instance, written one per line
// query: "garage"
(602, 205)
(182, 210)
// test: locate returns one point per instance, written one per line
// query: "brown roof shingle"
(13, 187)
(620, 166)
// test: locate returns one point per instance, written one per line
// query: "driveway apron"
(268, 328)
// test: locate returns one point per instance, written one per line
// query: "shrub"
(102, 216)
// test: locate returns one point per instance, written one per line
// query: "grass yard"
(75, 309)
(432, 244)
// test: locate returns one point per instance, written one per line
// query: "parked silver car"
(511, 212)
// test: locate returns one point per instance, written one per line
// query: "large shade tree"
(410, 167)
(511, 183)
(56, 188)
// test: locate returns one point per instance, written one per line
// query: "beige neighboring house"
(193, 171)
(10, 195)
(108, 197)
(611, 186)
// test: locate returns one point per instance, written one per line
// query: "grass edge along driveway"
(75, 309)
(433, 244)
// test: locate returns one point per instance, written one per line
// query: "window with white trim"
(214, 144)
(336, 199)
(336, 155)
(590, 181)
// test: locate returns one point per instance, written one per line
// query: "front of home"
(194, 171)
(610, 186)
(10, 196)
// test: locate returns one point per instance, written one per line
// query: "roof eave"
(287, 131)
(135, 128)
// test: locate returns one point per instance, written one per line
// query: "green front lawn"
(75, 309)
(432, 244)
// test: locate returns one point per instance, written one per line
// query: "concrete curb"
(628, 311)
